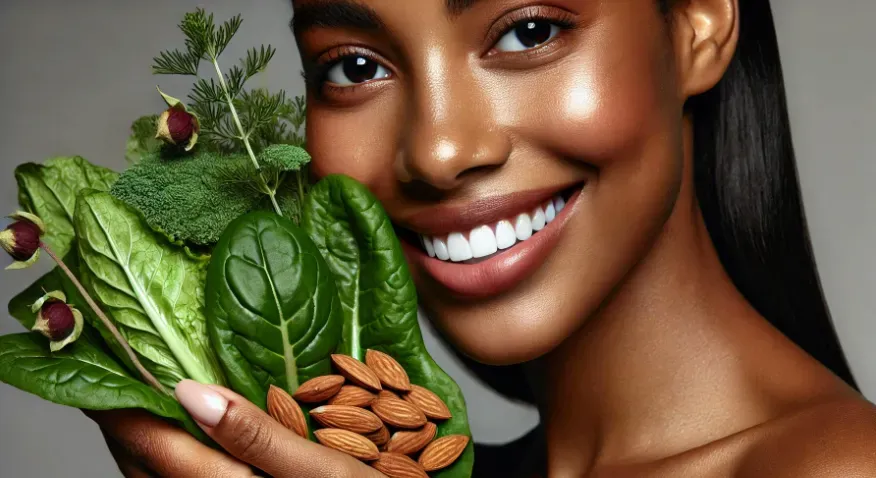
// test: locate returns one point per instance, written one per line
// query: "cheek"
(598, 105)
(341, 142)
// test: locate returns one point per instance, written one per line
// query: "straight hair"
(748, 189)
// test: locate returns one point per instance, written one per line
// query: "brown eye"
(354, 70)
(526, 35)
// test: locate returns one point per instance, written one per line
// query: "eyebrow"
(353, 15)
(335, 14)
(458, 7)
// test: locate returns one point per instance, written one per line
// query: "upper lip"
(444, 219)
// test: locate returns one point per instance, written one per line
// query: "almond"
(395, 465)
(429, 403)
(357, 372)
(355, 419)
(319, 389)
(283, 408)
(410, 442)
(354, 396)
(388, 370)
(380, 437)
(398, 413)
(442, 452)
(348, 442)
(388, 394)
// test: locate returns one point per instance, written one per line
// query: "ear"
(705, 34)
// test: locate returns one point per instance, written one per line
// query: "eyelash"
(315, 77)
(561, 18)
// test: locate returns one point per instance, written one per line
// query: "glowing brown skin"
(647, 361)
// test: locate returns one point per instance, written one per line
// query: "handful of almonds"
(399, 425)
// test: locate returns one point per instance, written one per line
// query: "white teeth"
(441, 249)
(538, 219)
(483, 242)
(486, 240)
(549, 212)
(523, 227)
(459, 248)
(505, 236)
(430, 248)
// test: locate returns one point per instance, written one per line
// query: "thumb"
(251, 435)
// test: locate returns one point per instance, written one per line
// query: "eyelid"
(332, 57)
(563, 18)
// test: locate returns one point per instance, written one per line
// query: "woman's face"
(536, 146)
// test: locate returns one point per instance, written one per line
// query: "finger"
(165, 449)
(248, 433)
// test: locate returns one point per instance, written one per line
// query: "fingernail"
(205, 405)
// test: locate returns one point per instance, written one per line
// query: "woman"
(604, 190)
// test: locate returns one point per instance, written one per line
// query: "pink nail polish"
(205, 405)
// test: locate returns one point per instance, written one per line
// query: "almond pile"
(372, 412)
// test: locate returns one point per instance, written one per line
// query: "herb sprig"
(233, 119)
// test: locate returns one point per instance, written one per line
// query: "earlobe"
(705, 34)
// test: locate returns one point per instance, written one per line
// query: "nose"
(451, 131)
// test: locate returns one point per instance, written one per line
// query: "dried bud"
(58, 321)
(176, 125)
(21, 239)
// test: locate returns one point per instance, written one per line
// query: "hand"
(249, 434)
(146, 446)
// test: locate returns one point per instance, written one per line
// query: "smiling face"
(529, 153)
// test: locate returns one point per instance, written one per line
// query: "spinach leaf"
(80, 376)
(379, 300)
(49, 191)
(272, 309)
(152, 289)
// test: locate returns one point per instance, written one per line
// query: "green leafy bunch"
(180, 270)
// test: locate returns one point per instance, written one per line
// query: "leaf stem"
(244, 136)
(299, 176)
(148, 377)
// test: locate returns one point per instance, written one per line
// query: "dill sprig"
(232, 118)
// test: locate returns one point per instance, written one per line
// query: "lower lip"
(499, 273)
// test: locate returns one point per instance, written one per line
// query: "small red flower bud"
(21, 239)
(181, 125)
(177, 126)
(57, 320)
(60, 320)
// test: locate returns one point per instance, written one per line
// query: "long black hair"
(748, 190)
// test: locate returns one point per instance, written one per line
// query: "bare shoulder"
(836, 439)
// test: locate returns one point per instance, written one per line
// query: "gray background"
(74, 74)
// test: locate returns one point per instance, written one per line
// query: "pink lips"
(499, 273)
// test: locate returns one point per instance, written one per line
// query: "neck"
(676, 359)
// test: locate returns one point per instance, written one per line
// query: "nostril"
(419, 190)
